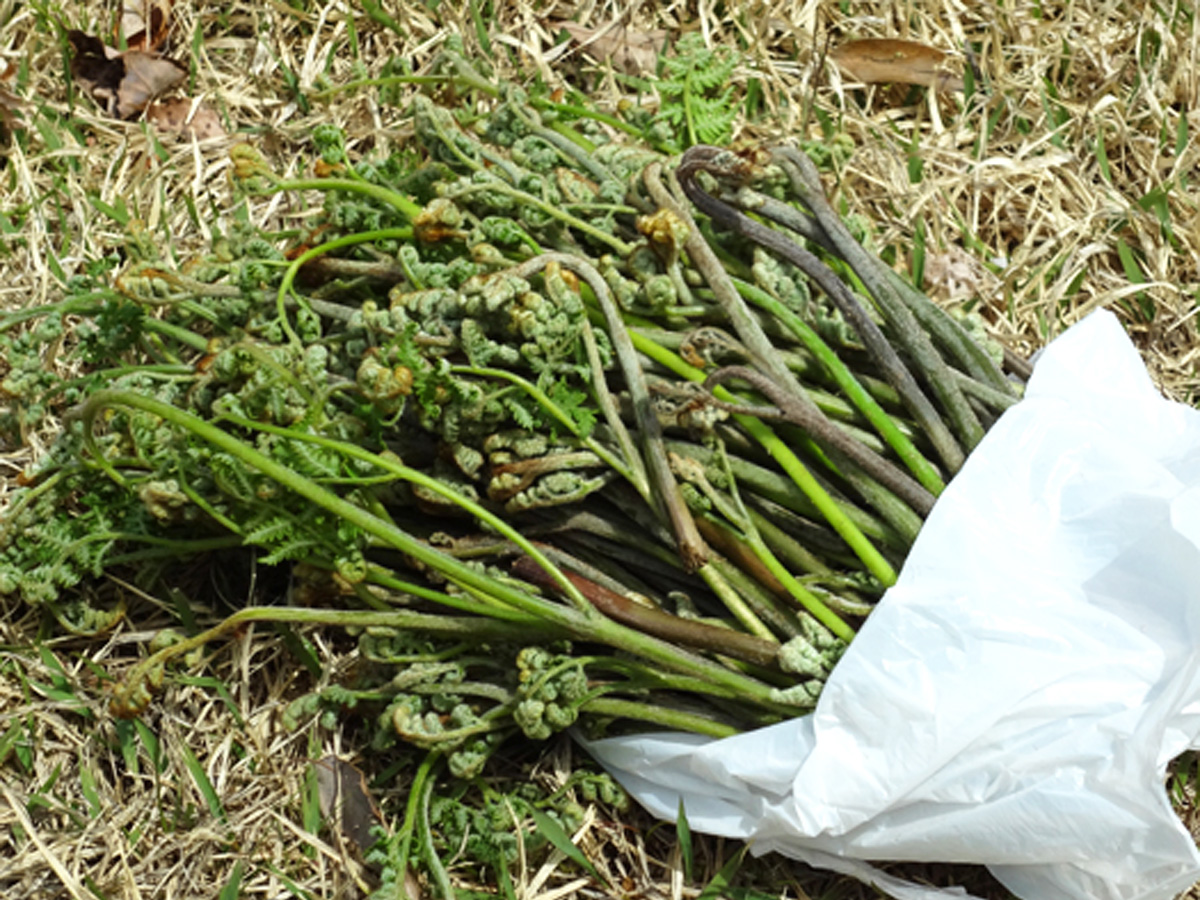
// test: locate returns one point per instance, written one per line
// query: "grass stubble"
(1063, 184)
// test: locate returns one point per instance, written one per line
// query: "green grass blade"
(58, 675)
(94, 888)
(288, 885)
(150, 741)
(375, 12)
(183, 609)
(300, 647)
(916, 162)
(1135, 275)
(504, 885)
(233, 887)
(117, 211)
(216, 684)
(683, 833)
(310, 802)
(12, 743)
(200, 777)
(918, 254)
(1102, 157)
(720, 882)
(128, 745)
(553, 832)
(481, 29)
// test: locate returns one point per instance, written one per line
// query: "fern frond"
(714, 73)
(712, 118)
(308, 459)
(688, 91)
(231, 477)
(575, 404)
(522, 415)
(296, 549)
(271, 531)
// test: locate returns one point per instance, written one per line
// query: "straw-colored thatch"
(1066, 183)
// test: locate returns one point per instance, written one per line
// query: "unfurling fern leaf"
(711, 118)
(309, 459)
(697, 102)
(701, 68)
(299, 548)
(270, 531)
(231, 477)
(518, 406)
(284, 537)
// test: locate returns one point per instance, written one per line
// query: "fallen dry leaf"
(345, 800)
(187, 118)
(629, 51)
(144, 24)
(886, 61)
(122, 82)
(953, 274)
(10, 104)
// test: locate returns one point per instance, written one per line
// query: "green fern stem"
(663, 716)
(397, 201)
(791, 464)
(583, 622)
(925, 472)
(403, 841)
(560, 416)
(348, 240)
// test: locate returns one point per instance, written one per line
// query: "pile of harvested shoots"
(502, 367)
(480, 374)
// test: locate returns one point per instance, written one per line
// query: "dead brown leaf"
(144, 24)
(9, 107)
(122, 82)
(345, 799)
(186, 118)
(886, 61)
(630, 51)
(10, 104)
(953, 274)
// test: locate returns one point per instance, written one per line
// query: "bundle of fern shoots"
(562, 426)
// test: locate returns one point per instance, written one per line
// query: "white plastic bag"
(1015, 698)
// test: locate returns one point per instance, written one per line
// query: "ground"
(1066, 183)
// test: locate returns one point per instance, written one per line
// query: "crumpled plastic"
(1015, 698)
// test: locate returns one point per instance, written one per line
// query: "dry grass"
(1065, 187)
